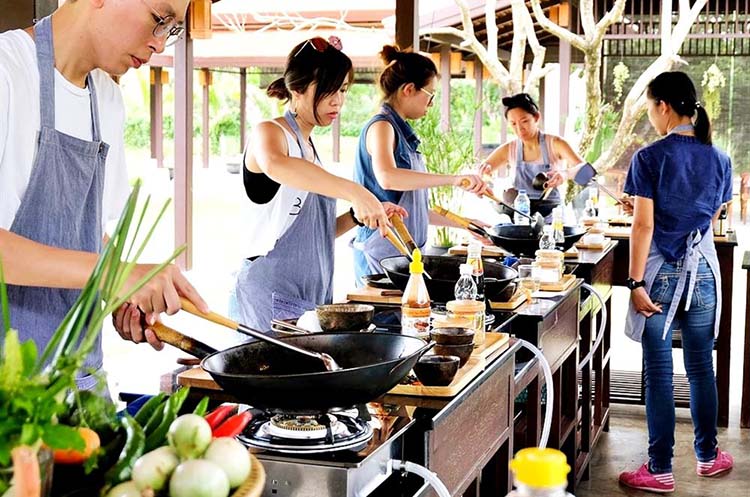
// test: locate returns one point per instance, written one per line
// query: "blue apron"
(375, 248)
(297, 274)
(62, 207)
(698, 245)
(525, 172)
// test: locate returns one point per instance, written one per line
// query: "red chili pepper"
(234, 425)
(217, 416)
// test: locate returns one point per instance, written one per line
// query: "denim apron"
(698, 245)
(297, 274)
(375, 248)
(62, 207)
(525, 172)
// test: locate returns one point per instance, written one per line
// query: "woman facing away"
(292, 223)
(388, 162)
(674, 274)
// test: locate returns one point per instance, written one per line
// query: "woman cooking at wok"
(292, 222)
(532, 153)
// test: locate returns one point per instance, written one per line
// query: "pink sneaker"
(723, 462)
(643, 479)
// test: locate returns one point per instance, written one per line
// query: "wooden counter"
(725, 246)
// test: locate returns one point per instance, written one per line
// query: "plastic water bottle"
(465, 288)
(557, 225)
(547, 241)
(523, 204)
(540, 473)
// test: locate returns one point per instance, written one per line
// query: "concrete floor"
(625, 448)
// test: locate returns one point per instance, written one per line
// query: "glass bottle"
(474, 259)
(557, 225)
(415, 304)
(547, 241)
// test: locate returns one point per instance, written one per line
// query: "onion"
(232, 457)
(152, 470)
(189, 435)
(198, 478)
(125, 489)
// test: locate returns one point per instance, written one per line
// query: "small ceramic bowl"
(452, 336)
(463, 352)
(436, 370)
(345, 317)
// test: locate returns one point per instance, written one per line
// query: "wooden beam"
(445, 88)
(205, 125)
(478, 113)
(183, 150)
(407, 24)
(157, 115)
(336, 134)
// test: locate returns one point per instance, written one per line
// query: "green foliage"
(227, 124)
(712, 82)
(137, 132)
(33, 387)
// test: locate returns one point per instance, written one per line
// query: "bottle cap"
(522, 192)
(474, 249)
(416, 266)
(465, 269)
(540, 468)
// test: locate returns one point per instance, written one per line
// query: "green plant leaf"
(62, 437)
(28, 357)
(4, 306)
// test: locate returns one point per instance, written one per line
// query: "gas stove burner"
(307, 434)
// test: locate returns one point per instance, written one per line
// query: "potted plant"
(33, 387)
(445, 152)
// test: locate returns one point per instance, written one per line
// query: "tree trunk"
(592, 65)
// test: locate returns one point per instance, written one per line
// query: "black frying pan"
(270, 377)
(517, 240)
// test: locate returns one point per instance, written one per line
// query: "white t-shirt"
(268, 222)
(20, 123)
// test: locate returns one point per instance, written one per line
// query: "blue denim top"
(688, 181)
(406, 142)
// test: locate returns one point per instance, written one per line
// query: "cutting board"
(582, 246)
(494, 343)
(514, 303)
(471, 370)
(487, 251)
(198, 378)
(373, 295)
(560, 286)
(571, 253)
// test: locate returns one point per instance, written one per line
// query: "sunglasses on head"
(321, 44)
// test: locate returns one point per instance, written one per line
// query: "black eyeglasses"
(166, 27)
(321, 44)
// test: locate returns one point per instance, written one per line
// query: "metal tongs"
(402, 239)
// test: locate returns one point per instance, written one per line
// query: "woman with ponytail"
(292, 222)
(388, 162)
(679, 183)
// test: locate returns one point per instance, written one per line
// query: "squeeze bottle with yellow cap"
(540, 473)
(415, 304)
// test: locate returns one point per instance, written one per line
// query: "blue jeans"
(697, 325)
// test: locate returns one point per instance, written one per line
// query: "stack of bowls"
(452, 341)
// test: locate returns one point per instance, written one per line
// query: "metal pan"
(270, 377)
(517, 240)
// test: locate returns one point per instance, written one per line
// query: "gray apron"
(416, 202)
(525, 172)
(698, 245)
(297, 274)
(62, 207)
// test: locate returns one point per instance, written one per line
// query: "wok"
(444, 270)
(543, 207)
(517, 240)
(270, 377)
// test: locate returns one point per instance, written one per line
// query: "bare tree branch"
(562, 33)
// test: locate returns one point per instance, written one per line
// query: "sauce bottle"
(415, 304)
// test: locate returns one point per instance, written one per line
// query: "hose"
(425, 473)
(600, 333)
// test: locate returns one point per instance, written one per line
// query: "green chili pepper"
(171, 409)
(133, 449)
(202, 407)
(147, 409)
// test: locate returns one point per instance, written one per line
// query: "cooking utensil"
(327, 360)
(404, 239)
(542, 206)
(396, 242)
(585, 177)
(344, 317)
(517, 240)
(462, 221)
(537, 221)
(270, 377)
(539, 181)
(444, 270)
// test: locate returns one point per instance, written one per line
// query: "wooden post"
(243, 107)
(157, 115)
(407, 24)
(445, 87)
(205, 81)
(564, 60)
(336, 133)
(183, 150)
(478, 113)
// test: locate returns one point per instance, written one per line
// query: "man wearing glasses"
(62, 159)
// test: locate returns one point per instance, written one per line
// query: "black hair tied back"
(677, 89)
(520, 101)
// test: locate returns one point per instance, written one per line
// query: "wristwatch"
(632, 284)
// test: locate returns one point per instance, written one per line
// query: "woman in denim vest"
(388, 161)
(679, 183)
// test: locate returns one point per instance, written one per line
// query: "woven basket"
(253, 486)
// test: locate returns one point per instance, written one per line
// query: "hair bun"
(389, 53)
(507, 101)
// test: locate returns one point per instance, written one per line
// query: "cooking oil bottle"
(415, 304)
(539, 472)
(474, 259)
